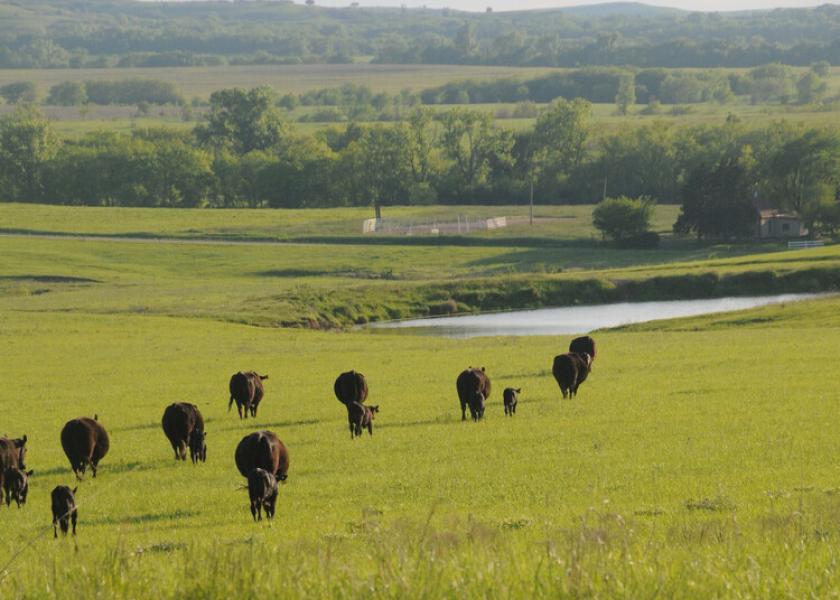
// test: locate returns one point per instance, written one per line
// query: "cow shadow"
(141, 427)
(144, 518)
(401, 424)
(244, 424)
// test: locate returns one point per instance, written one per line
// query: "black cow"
(85, 442)
(262, 490)
(360, 417)
(570, 370)
(473, 387)
(16, 486)
(351, 387)
(263, 450)
(64, 509)
(12, 456)
(583, 345)
(246, 389)
(511, 399)
(184, 426)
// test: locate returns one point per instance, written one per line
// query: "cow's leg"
(93, 467)
(463, 411)
(253, 511)
(239, 409)
(352, 430)
(370, 428)
(55, 528)
(73, 518)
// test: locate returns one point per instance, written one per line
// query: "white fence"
(805, 244)
(463, 225)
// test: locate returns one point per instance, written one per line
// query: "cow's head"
(373, 410)
(477, 406)
(20, 446)
(198, 446)
(587, 358)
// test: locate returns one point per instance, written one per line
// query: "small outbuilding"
(774, 223)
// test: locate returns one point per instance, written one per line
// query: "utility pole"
(531, 205)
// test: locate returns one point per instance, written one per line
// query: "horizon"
(706, 6)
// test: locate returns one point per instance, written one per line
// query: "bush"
(622, 218)
(643, 241)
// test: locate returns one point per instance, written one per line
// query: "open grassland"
(286, 79)
(340, 280)
(697, 461)
(559, 222)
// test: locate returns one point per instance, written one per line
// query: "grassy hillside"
(693, 463)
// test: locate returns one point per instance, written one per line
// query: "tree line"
(125, 33)
(247, 155)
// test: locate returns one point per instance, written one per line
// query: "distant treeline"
(246, 155)
(60, 34)
(77, 93)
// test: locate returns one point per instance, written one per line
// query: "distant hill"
(610, 9)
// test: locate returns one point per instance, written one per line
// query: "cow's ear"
(75, 489)
(30, 472)
(482, 369)
(24, 439)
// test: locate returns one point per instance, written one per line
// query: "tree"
(821, 68)
(805, 173)
(623, 217)
(27, 143)
(559, 141)
(717, 201)
(243, 121)
(811, 88)
(68, 93)
(626, 96)
(471, 142)
(19, 92)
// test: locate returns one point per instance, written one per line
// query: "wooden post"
(531, 205)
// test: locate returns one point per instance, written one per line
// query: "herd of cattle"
(260, 456)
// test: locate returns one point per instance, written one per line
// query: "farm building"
(775, 223)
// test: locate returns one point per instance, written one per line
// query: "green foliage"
(27, 144)
(132, 91)
(718, 200)
(626, 96)
(19, 92)
(243, 121)
(67, 93)
(620, 218)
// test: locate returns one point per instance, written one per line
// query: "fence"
(805, 244)
(462, 226)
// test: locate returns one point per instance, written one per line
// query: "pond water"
(579, 319)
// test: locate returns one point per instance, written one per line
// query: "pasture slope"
(699, 459)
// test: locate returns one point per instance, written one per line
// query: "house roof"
(774, 213)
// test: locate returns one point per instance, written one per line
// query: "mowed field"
(699, 459)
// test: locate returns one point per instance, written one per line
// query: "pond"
(579, 319)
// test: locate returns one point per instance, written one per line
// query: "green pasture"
(286, 79)
(697, 461)
(566, 222)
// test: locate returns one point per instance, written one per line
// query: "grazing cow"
(184, 426)
(473, 387)
(583, 345)
(351, 387)
(12, 456)
(570, 370)
(262, 490)
(511, 399)
(360, 417)
(262, 450)
(246, 389)
(64, 509)
(85, 442)
(16, 485)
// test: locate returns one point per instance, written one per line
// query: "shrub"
(622, 218)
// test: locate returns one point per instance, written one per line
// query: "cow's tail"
(265, 450)
(230, 402)
(263, 376)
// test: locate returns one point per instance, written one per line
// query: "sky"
(500, 5)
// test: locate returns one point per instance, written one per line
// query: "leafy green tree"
(472, 144)
(811, 88)
(243, 121)
(27, 144)
(717, 201)
(821, 68)
(623, 217)
(67, 93)
(626, 96)
(19, 92)
(804, 173)
(559, 141)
